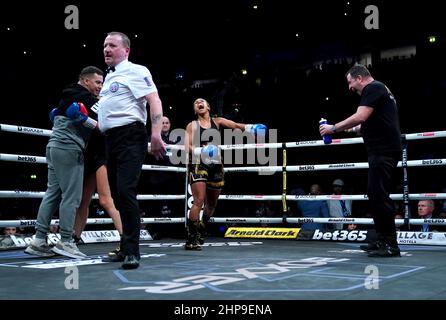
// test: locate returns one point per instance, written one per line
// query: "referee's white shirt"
(123, 96)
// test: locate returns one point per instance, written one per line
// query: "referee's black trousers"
(126, 150)
(380, 178)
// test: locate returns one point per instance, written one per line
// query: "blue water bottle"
(326, 137)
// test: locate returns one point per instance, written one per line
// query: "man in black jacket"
(65, 157)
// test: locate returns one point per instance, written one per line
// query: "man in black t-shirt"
(377, 120)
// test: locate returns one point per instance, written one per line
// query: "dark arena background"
(279, 63)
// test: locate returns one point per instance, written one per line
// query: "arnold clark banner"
(264, 233)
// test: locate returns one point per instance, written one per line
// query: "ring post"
(284, 183)
(405, 182)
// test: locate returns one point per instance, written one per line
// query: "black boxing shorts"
(94, 154)
(214, 175)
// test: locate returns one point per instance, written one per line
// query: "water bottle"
(326, 137)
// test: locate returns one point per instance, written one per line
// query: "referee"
(122, 116)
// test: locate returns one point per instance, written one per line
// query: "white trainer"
(68, 249)
(39, 247)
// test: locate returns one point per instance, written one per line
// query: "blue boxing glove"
(210, 155)
(77, 112)
(257, 130)
(53, 114)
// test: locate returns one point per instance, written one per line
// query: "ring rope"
(404, 164)
(293, 168)
(333, 166)
(40, 194)
(398, 196)
(362, 221)
(298, 144)
(37, 159)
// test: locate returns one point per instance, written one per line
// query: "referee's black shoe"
(371, 246)
(385, 250)
(130, 262)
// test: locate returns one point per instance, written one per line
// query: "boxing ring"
(241, 266)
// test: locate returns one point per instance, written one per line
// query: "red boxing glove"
(77, 111)
(82, 108)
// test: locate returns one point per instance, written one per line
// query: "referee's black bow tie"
(110, 69)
